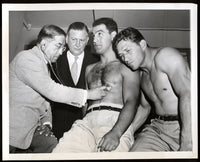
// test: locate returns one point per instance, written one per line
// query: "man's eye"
(121, 54)
(58, 46)
(99, 34)
(127, 50)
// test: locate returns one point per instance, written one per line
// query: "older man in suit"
(31, 88)
(77, 38)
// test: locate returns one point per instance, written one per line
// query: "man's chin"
(98, 51)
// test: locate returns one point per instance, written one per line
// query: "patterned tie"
(74, 70)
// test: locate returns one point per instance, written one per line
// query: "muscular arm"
(141, 114)
(130, 86)
(178, 73)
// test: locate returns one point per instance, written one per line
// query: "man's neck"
(108, 57)
(148, 59)
(73, 54)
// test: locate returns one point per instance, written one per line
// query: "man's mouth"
(97, 46)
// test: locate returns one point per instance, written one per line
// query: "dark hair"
(127, 34)
(78, 26)
(110, 24)
(50, 31)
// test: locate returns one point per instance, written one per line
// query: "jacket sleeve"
(33, 72)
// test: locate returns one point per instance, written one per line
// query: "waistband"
(110, 108)
(167, 118)
(106, 104)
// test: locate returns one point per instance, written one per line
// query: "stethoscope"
(51, 67)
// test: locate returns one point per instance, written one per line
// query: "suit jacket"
(30, 89)
(64, 115)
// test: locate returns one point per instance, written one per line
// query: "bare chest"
(104, 74)
(156, 85)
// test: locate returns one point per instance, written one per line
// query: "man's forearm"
(125, 119)
(185, 115)
(140, 117)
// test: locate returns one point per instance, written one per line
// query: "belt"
(103, 108)
(167, 118)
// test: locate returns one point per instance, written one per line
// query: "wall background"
(159, 27)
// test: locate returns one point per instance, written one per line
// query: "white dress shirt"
(71, 59)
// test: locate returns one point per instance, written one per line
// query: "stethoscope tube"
(51, 68)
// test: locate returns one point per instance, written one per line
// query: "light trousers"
(158, 136)
(85, 134)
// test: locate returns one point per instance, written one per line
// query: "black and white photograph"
(94, 81)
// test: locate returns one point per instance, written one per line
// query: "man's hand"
(98, 93)
(45, 130)
(109, 142)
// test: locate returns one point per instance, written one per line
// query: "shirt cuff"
(85, 93)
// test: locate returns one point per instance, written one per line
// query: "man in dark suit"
(72, 62)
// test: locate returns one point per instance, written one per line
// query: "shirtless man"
(165, 81)
(107, 123)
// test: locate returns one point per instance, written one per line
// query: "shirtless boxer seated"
(107, 123)
(165, 81)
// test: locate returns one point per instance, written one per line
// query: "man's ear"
(143, 44)
(113, 34)
(43, 44)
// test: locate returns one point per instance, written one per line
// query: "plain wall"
(20, 37)
(15, 33)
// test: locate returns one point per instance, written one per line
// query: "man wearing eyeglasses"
(77, 53)
(30, 90)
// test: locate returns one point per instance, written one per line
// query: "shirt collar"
(71, 56)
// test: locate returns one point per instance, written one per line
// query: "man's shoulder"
(166, 57)
(166, 52)
(26, 55)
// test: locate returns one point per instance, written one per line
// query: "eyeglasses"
(59, 47)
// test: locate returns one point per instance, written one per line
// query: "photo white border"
(85, 6)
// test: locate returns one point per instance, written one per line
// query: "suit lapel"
(63, 70)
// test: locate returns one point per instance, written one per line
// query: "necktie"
(74, 69)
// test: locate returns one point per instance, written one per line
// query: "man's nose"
(77, 43)
(123, 58)
(94, 39)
